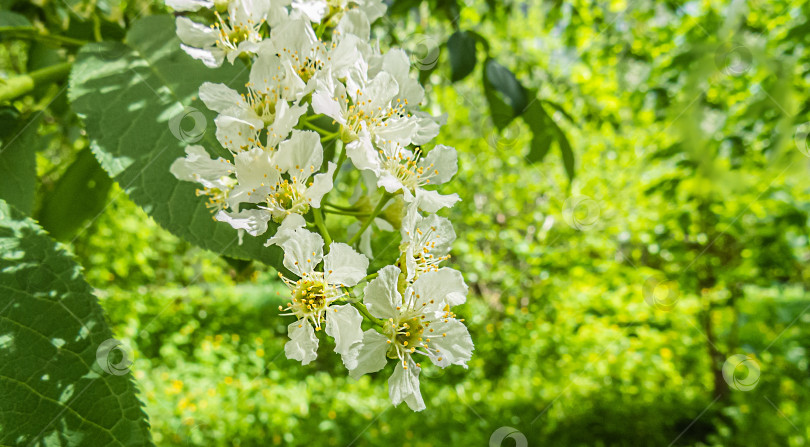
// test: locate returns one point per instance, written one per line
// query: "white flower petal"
(343, 265)
(285, 119)
(189, 5)
(321, 184)
(443, 285)
(381, 296)
(198, 166)
(302, 151)
(453, 342)
(302, 252)
(362, 154)
(287, 229)
(252, 221)
(195, 34)
(343, 324)
(442, 159)
(303, 345)
(219, 97)
(404, 386)
(323, 102)
(212, 58)
(368, 356)
(432, 201)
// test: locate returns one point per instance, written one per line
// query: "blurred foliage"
(603, 308)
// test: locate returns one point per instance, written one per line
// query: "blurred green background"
(602, 308)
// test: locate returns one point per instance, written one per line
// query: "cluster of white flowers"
(310, 61)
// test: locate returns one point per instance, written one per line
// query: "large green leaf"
(546, 131)
(18, 170)
(84, 178)
(127, 95)
(506, 96)
(461, 47)
(60, 382)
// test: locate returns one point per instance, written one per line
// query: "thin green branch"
(377, 210)
(322, 228)
(345, 213)
(20, 85)
(363, 310)
(34, 34)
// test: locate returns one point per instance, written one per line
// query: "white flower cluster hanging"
(278, 172)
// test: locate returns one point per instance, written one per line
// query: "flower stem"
(20, 85)
(341, 207)
(371, 276)
(26, 32)
(346, 213)
(363, 310)
(341, 158)
(383, 200)
(322, 228)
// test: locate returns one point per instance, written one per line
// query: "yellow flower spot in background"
(260, 352)
(234, 338)
(228, 380)
(666, 353)
(332, 414)
(212, 392)
(188, 421)
(177, 385)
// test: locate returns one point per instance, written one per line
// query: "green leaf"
(546, 131)
(507, 98)
(127, 94)
(84, 178)
(54, 350)
(13, 20)
(18, 170)
(461, 46)
(502, 114)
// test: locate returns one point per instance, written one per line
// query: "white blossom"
(426, 242)
(314, 294)
(229, 37)
(417, 322)
(399, 169)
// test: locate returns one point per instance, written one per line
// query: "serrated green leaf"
(461, 47)
(83, 179)
(127, 94)
(18, 170)
(54, 389)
